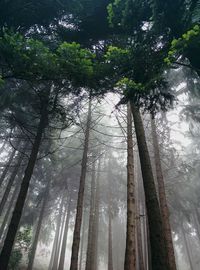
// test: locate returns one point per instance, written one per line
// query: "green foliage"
(15, 259)
(129, 87)
(31, 59)
(129, 14)
(22, 245)
(75, 61)
(27, 58)
(117, 56)
(24, 237)
(184, 44)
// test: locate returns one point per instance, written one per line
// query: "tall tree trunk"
(110, 252)
(187, 248)
(163, 200)
(82, 241)
(96, 221)
(130, 254)
(13, 227)
(7, 167)
(8, 212)
(59, 238)
(38, 228)
(79, 209)
(141, 243)
(158, 247)
(90, 250)
(56, 238)
(64, 242)
(10, 183)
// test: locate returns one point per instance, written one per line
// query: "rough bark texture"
(7, 167)
(158, 247)
(90, 247)
(163, 200)
(79, 209)
(38, 228)
(64, 242)
(130, 254)
(10, 183)
(13, 227)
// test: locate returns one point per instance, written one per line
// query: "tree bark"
(13, 227)
(7, 166)
(158, 247)
(8, 212)
(82, 241)
(96, 221)
(163, 200)
(10, 183)
(90, 250)
(64, 242)
(38, 228)
(110, 252)
(130, 253)
(79, 209)
(59, 238)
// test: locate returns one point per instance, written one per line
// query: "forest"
(99, 128)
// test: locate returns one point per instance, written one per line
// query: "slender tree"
(10, 182)
(90, 247)
(12, 230)
(38, 227)
(163, 200)
(7, 167)
(130, 254)
(65, 233)
(79, 209)
(158, 248)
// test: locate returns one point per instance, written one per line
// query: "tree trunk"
(56, 238)
(158, 247)
(7, 166)
(38, 228)
(163, 200)
(82, 241)
(59, 238)
(140, 223)
(110, 253)
(64, 242)
(13, 227)
(130, 254)
(187, 248)
(90, 250)
(10, 183)
(8, 212)
(96, 221)
(79, 209)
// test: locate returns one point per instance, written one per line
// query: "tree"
(163, 200)
(130, 254)
(22, 52)
(79, 209)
